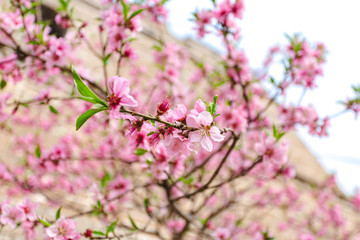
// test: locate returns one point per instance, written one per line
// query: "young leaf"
(277, 134)
(111, 227)
(58, 213)
(44, 222)
(146, 203)
(125, 9)
(150, 133)
(188, 180)
(86, 115)
(214, 105)
(204, 221)
(106, 59)
(99, 233)
(274, 131)
(140, 151)
(3, 84)
(38, 151)
(53, 110)
(85, 91)
(133, 224)
(135, 13)
(104, 181)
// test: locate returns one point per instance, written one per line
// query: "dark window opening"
(48, 14)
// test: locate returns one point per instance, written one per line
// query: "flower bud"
(163, 107)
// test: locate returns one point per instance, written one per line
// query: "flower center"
(62, 231)
(113, 100)
(205, 130)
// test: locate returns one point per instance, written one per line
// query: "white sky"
(337, 24)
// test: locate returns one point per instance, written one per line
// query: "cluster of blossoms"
(148, 142)
(22, 213)
(305, 62)
(225, 14)
(171, 59)
(305, 116)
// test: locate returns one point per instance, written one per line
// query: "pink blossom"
(222, 234)
(176, 225)
(271, 152)
(163, 107)
(29, 209)
(206, 131)
(119, 95)
(118, 187)
(356, 200)
(63, 229)
(198, 108)
(11, 215)
(307, 236)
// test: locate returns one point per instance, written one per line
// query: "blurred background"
(331, 22)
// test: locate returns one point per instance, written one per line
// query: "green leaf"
(274, 131)
(187, 180)
(92, 100)
(99, 233)
(64, 4)
(214, 105)
(133, 224)
(204, 221)
(38, 151)
(86, 115)
(272, 80)
(53, 110)
(111, 227)
(135, 13)
(106, 59)
(140, 151)
(157, 48)
(58, 213)
(125, 9)
(146, 203)
(105, 180)
(44, 222)
(3, 84)
(277, 134)
(85, 91)
(267, 237)
(34, 43)
(150, 133)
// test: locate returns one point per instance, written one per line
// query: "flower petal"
(128, 101)
(206, 143)
(192, 121)
(216, 135)
(205, 118)
(195, 136)
(115, 113)
(199, 106)
(119, 86)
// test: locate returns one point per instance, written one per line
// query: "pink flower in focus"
(63, 229)
(198, 108)
(206, 132)
(119, 95)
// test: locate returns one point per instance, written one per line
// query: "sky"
(332, 22)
